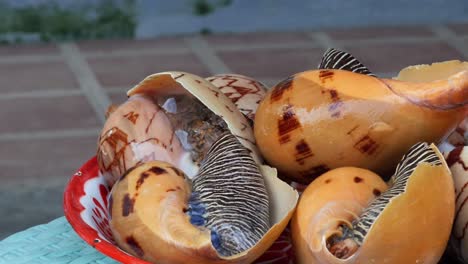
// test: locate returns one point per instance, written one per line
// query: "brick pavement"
(53, 96)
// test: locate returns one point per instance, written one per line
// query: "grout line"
(451, 39)
(292, 45)
(392, 40)
(96, 95)
(269, 82)
(140, 52)
(25, 185)
(386, 74)
(117, 90)
(52, 134)
(18, 59)
(55, 93)
(41, 94)
(207, 55)
(320, 37)
(324, 40)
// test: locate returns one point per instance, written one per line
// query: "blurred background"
(63, 62)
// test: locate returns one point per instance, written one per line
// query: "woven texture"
(55, 242)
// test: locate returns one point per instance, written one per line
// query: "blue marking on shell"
(196, 210)
(215, 241)
(231, 189)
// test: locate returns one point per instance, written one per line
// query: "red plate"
(85, 207)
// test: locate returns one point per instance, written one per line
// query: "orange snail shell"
(324, 119)
(413, 227)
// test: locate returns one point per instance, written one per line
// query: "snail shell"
(231, 194)
(457, 160)
(348, 215)
(132, 134)
(323, 119)
(245, 92)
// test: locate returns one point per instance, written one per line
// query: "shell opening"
(343, 248)
(418, 153)
(183, 100)
(243, 217)
(341, 244)
(197, 128)
(229, 195)
(348, 237)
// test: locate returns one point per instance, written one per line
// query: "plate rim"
(72, 209)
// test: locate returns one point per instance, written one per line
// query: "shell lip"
(279, 219)
(265, 237)
(148, 81)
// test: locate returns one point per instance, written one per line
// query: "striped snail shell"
(349, 215)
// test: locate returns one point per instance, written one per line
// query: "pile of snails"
(201, 169)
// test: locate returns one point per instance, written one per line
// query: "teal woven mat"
(55, 242)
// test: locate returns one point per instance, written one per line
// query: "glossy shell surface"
(86, 209)
(282, 198)
(319, 120)
(245, 92)
(169, 83)
(412, 227)
(132, 134)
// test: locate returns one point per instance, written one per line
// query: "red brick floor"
(391, 57)
(50, 118)
(380, 33)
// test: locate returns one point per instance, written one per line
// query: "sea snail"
(204, 195)
(349, 215)
(341, 115)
